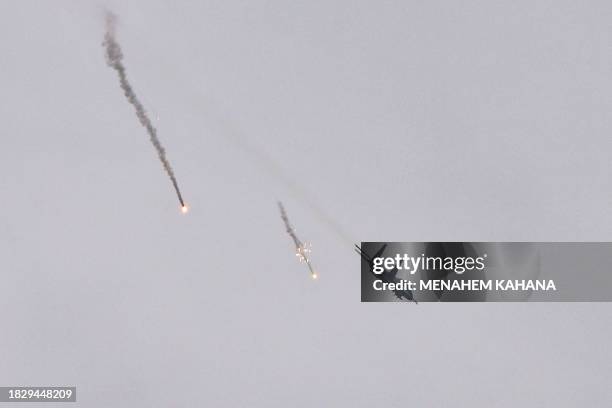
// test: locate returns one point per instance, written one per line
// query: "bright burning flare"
(184, 209)
(315, 276)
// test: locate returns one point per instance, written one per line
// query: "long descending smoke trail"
(114, 55)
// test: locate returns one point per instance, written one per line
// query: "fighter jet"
(388, 276)
(302, 250)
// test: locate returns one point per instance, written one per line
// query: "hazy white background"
(405, 121)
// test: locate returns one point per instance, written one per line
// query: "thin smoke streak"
(270, 166)
(114, 57)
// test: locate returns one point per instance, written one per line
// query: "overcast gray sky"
(402, 120)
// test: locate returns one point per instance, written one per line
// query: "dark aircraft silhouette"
(388, 276)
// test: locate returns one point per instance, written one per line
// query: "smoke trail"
(267, 164)
(113, 59)
(224, 126)
(302, 250)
